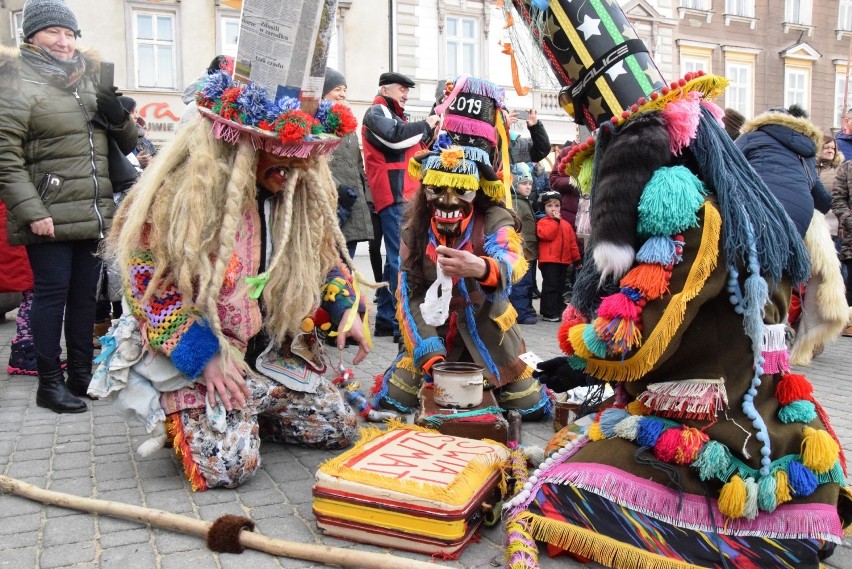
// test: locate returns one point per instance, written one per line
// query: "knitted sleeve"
(170, 325)
(505, 246)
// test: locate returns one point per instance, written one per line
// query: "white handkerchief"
(436, 309)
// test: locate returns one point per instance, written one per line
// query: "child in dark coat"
(557, 250)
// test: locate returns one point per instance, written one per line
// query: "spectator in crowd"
(828, 162)
(390, 141)
(347, 169)
(532, 149)
(541, 182)
(733, 121)
(145, 149)
(219, 63)
(17, 277)
(521, 293)
(844, 136)
(59, 194)
(841, 205)
(557, 250)
(572, 199)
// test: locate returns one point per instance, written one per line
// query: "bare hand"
(513, 117)
(533, 117)
(229, 384)
(557, 215)
(356, 332)
(144, 160)
(43, 227)
(461, 264)
(432, 120)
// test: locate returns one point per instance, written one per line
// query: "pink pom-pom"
(667, 445)
(715, 110)
(572, 316)
(682, 118)
(618, 305)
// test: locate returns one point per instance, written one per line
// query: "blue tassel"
(610, 418)
(670, 201)
(713, 461)
(544, 403)
(383, 392)
(766, 493)
(801, 479)
(470, 318)
(593, 342)
(650, 429)
(659, 249)
(427, 346)
(800, 411)
(755, 295)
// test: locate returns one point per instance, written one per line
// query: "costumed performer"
(231, 255)
(714, 453)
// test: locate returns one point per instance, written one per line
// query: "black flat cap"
(391, 77)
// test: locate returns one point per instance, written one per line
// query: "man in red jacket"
(389, 143)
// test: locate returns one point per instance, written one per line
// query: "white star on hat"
(616, 70)
(590, 27)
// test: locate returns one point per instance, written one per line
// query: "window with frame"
(844, 17)
(797, 12)
(839, 91)
(738, 95)
(155, 50)
(796, 86)
(462, 36)
(740, 8)
(695, 4)
(229, 35)
(17, 20)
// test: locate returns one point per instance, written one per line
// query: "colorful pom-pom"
(750, 510)
(793, 387)
(691, 442)
(766, 493)
(595, 433)
(802, 480)
(650, 429)
(732, 498)
(563, 339)
(636, 407)
(618, 305)
(712, 461)
(575, 335)
(670, 201)
(650, 279)
(659, 249)
(628, 428)
(819, 450)
(609, 419)
(593, 342)
(667, 445)
(782, 487)
(800, 411)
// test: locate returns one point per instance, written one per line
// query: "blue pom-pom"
(802, 480)
(670, 201)
(610, 418)
(799, 411)
(322, 113)
(650, 429)
(215, 84)
(712, 461)
(593, 342)
(659, 249)
(254, 104)
(540, 4)
(766, 493)
(443, 141)
(285, 104)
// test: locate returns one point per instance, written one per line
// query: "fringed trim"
(506, 395)
(451, 179)
(400, 384)
(427, 346)
(415, 169)
(495, 190)
(597, 547)
(521, 549)
(439, 419)
(506, 246)
(174, 424)
(687, 399)
(459, 124)
(485, 88)
(507, 319)
(646, 357)
(466, 483)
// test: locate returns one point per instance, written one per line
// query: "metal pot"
(457, 384)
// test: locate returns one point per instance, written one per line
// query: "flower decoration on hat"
(245, 113)
(458, 167)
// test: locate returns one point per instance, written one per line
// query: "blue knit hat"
(41, 14)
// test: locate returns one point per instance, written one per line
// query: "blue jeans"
(521, 296)
(391, 218)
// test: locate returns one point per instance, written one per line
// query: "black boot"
(79, 369)
(52, 392)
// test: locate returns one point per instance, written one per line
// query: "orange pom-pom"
(650, 279)
(793, 387)
(691, 441)
(564, 340)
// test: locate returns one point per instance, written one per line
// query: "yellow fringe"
(515, 243)
(174, 425)
(505, 395)
(415, 168)
(646, 357)
(732, 498)
(599, 548)
(451, 179)
(400, 384)
(494, 190)
(507, 319)
(518, 526)
(782, 487)
(819, 450)
(468, 481)
(407, 364)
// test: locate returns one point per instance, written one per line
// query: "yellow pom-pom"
(732, 498)
(325, 326)
(819, 450)
(307, 325)
(595, 432)
(637, 408)
(575, 334)
(782, 487)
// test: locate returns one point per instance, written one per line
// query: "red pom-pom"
(563, 339)
(689, 76)
(701, 73)
(681, 82)
(584, 146)
(625, 114)
(347, 123)
(655, 96)
(667, 445)
(591, 140)
(634, 107)
(665, 90)
(642, 100)
(673, 84)
(793, 387)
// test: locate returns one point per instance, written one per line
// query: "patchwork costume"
(714, 453)
(155, 356)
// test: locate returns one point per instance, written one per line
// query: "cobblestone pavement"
(92, 454)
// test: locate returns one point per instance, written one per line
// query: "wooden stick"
(160, 518)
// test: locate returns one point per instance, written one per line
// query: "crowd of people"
(214, 273)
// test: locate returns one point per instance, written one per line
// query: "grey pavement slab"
(91, 454)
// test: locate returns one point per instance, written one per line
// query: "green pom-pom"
(593, 342)
(670, 201)
(766, 493)
(713, 461)
(577, 363)
(799, 411)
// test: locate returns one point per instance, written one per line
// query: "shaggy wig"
(186, 211)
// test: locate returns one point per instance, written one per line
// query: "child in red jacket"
(557, 250)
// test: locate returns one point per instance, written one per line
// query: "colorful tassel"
(610, 418)
(819, 450)
(670, 201)
(507, 319)
(638, 408)
(750, 510)
(800, 411)
(659, 250)
(584, 176)
(651, 280)
(575, 334)
(691, 442)
(593, 342)
(688, 398)
(628, 428)
(802, 480)
(572, 316)
(713, 461)
(732, 498)
(682, 117)
(595, 433)
(766, 487)
(667, 445)
(793, 387)
(618, 305)
(563, 339)
(782, 487)
(650, 429)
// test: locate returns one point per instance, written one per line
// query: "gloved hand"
(558, 375)
(109, 105)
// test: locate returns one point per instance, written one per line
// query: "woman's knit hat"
(41, 14)
(333, 79)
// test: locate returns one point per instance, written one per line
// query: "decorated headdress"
(464, 167)
(246, 114)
